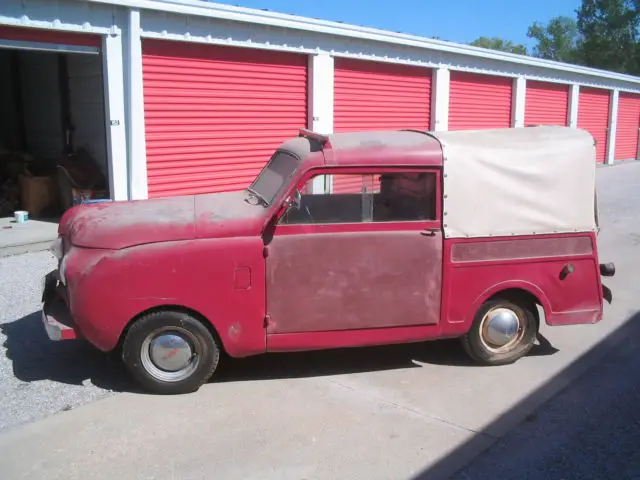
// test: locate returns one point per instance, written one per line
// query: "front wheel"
(502, 332)
(170, 352)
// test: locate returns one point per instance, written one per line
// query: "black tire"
(478, 347)
(138, 357)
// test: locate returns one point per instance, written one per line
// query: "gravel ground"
(39, 377)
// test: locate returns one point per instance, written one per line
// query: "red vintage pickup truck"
(343, 240)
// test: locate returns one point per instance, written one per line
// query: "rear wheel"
(170, 352)
(502, 332)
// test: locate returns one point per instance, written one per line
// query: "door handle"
(429, 232)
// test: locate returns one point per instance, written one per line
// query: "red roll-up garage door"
(215, 114)
(546, 104)
(593, 116)
(628, 124)
(379, 96)
(479, 101)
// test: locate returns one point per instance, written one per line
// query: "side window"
(365, 198)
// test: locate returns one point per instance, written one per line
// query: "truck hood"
(122, 224)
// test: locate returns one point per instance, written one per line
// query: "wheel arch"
(172, 308)
(520, 292)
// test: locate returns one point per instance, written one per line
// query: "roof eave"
(247, 15)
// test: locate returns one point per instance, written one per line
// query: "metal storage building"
(163, 93)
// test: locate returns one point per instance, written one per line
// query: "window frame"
(401, 225)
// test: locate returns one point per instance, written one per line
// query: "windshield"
(273, 177)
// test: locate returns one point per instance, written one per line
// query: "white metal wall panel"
(86, 99)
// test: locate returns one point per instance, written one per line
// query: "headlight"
(57, 248)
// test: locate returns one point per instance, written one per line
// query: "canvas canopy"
(518, 181)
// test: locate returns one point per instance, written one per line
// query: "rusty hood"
(117, 225)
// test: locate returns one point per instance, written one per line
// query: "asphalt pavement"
(402, 412)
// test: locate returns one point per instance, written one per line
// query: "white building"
(186, 96)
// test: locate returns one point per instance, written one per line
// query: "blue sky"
(455, 20)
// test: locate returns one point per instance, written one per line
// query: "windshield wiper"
(260, 198)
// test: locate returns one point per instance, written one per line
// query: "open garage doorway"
(53, 138)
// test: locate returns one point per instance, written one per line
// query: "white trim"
(321, 101)
(440, 87)
(47, 47)
(518, 105)
(613, 127)
(574, 104)
(115, 122)
(57, 25)
(408, 58)
(272, 19)
(136, 145)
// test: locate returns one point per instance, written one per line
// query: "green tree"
(610, 34)
(557, 40)
(495, 43)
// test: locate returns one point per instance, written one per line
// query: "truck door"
(367, 255)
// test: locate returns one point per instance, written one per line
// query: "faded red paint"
(573, 300)
(265, 286)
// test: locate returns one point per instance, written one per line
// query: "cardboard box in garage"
(39, 194)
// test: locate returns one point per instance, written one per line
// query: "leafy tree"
(495, 43)
(610, 34)
(558, 40)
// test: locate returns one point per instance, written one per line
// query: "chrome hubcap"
(169, 355)
(501, 329)
(170, 352)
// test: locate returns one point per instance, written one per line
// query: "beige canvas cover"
(518, 181)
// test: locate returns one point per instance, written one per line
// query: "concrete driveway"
(418, 411)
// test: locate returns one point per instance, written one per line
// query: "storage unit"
(214, 115)
(546, 103)
(379, 96)
(627, 129)
(479, 101)
(52, 92)
(593, 116)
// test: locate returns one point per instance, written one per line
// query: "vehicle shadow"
(35, 357)
(447, 352)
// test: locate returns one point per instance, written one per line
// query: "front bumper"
(56, 316)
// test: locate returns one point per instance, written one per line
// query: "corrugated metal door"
(627, 129)
(215, 114)
(593, 116)
(378, 96)
(479, 101)
(546, 104)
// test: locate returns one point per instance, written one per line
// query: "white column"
(320, 92)
(440, 99)
(135, 108)
(613, 127)
(115, 116)
(519, 102)
(574, 100)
